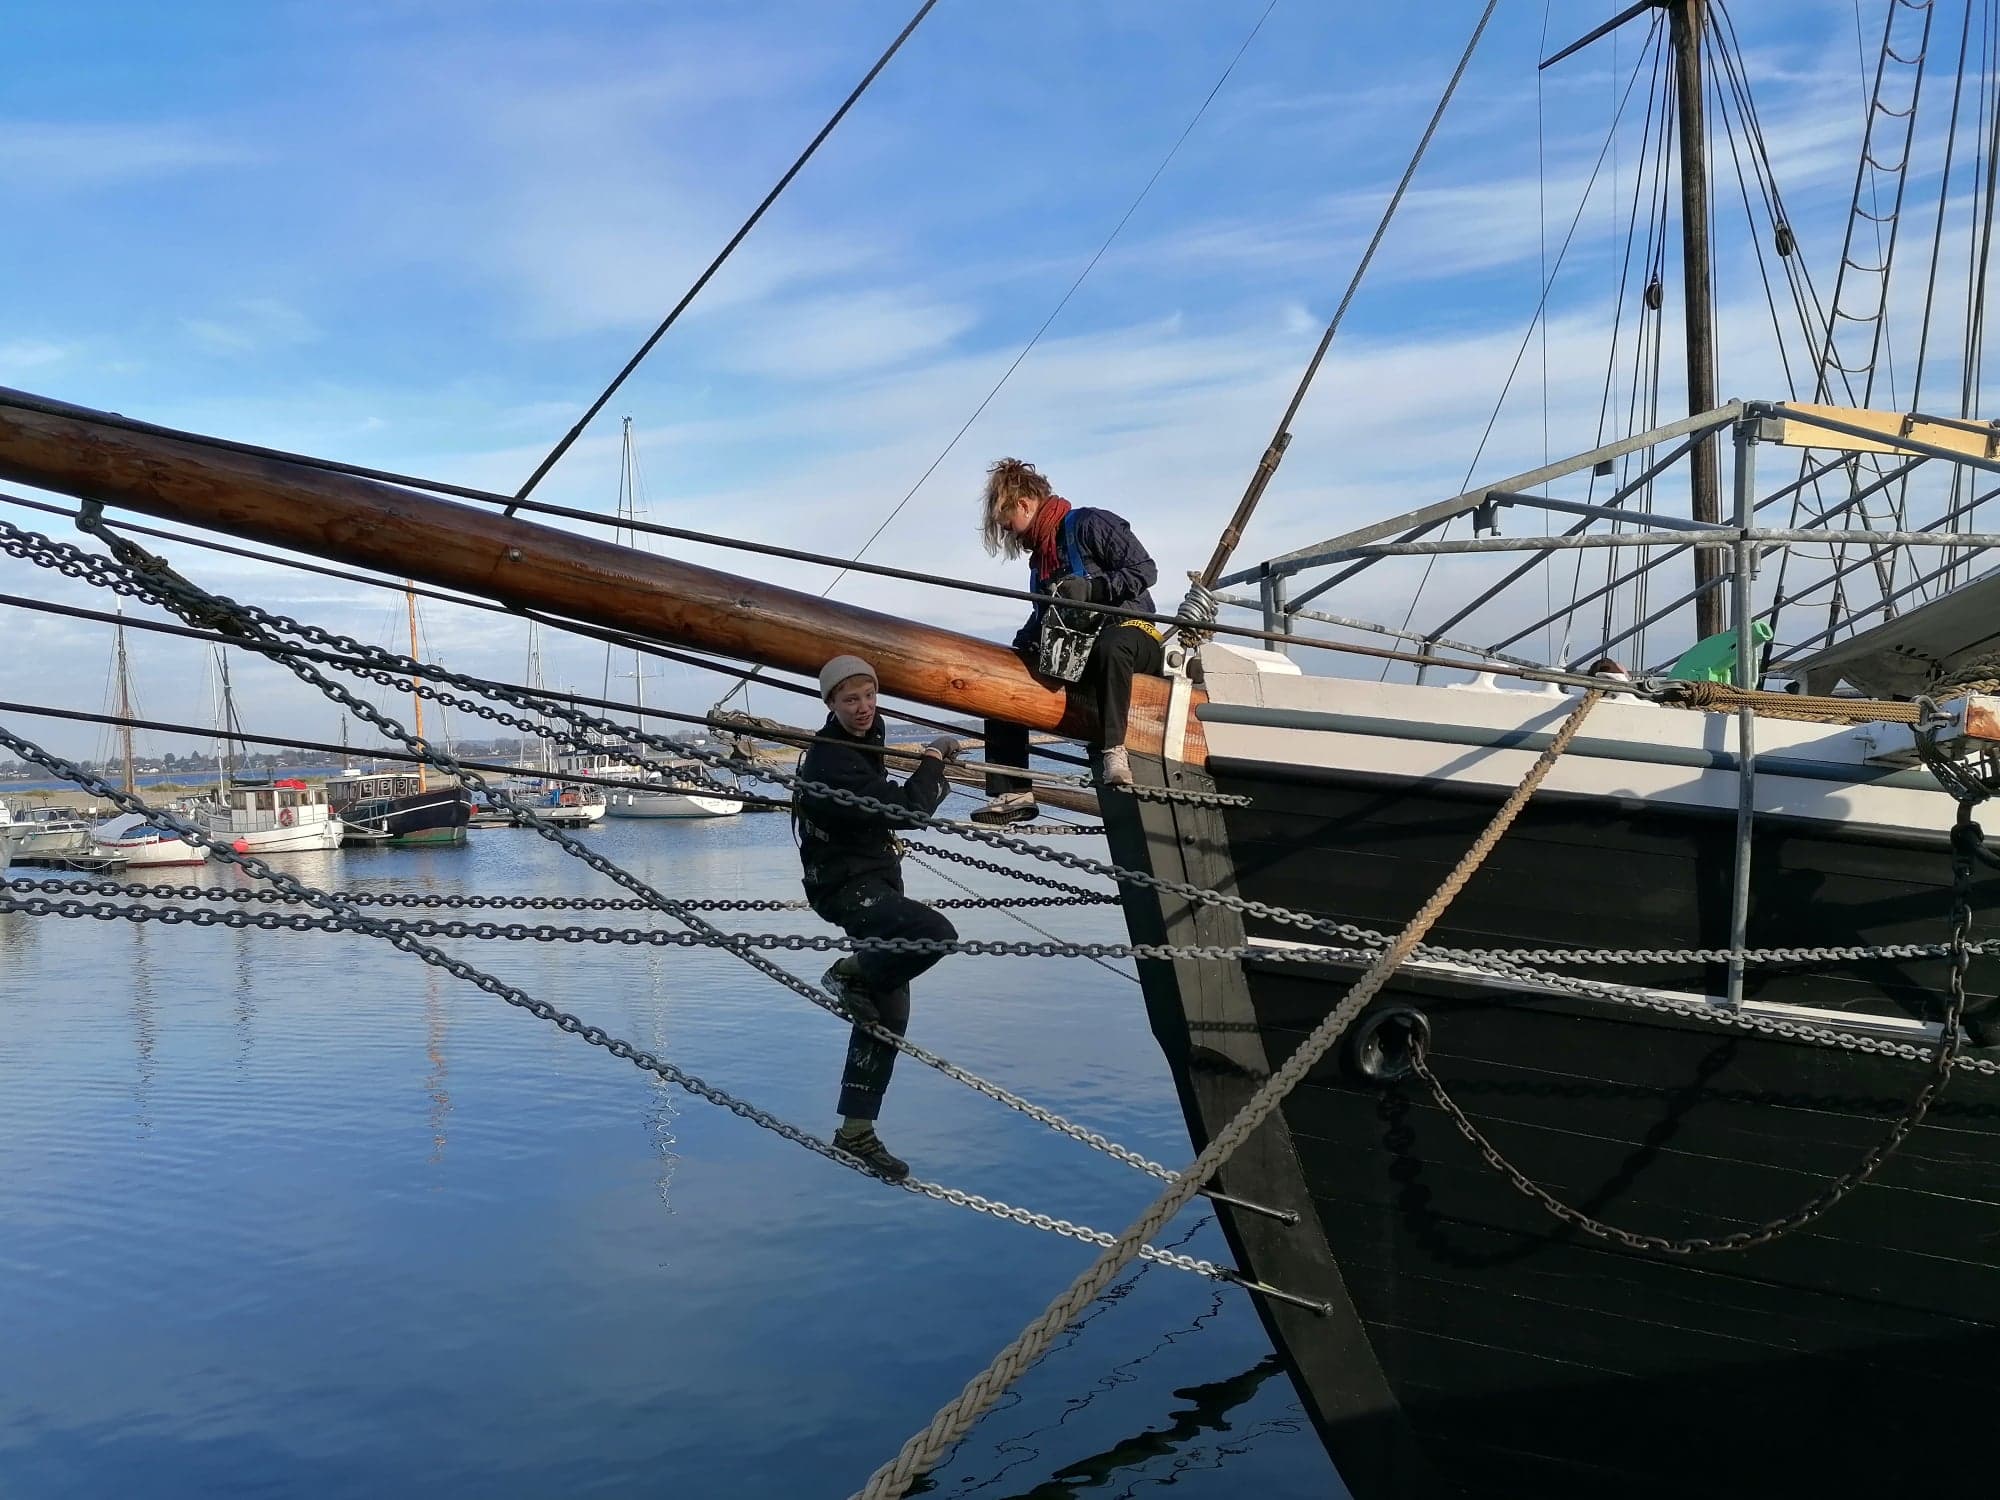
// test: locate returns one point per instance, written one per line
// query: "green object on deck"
(1713, 659)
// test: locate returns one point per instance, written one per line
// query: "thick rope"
(951, 1423)
(1721, 697)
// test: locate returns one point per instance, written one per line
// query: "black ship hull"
(1474, 1344)
(439, 816)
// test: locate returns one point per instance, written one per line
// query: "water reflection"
(145, 1028)
(663, 1105)
(308, 1288)
(436, 1025)
(243, 1014)
(1206, 1410)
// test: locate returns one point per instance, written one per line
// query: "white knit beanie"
(837, 671)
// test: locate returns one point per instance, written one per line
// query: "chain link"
(351, 655)
(156, 579)
(1966, 839)
(407, 937)
(56, 885)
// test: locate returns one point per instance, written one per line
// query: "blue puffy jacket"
(1099, 545)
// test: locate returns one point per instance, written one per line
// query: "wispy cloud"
(845, 334)
(31, 354)
(251, 325)
(65, 155)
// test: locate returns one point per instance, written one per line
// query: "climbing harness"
(1063, 647)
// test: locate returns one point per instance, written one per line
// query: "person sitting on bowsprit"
(854, 879)
(1075, 553)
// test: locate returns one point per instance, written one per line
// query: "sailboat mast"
(226, 759)
(534, 680)
(124, 703)
(416, 698)
(1686, 18)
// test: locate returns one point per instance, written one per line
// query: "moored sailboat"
(401, 807)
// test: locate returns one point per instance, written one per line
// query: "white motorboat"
(676, 791)
(49, 835)
(274, 817)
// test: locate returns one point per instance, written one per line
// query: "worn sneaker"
(866, 1147)
(1009, 807)
(1114, 767)
(843, 982)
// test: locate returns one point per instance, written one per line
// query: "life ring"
(286, 816)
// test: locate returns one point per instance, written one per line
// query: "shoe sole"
(1010, 818)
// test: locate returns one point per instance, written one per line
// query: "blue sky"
(421, 236)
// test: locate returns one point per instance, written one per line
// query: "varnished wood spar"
(94, 455)
(1146, 727)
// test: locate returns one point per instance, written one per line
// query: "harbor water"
(292, 1213)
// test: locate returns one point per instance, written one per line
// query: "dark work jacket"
(839, 842)
(1103, 543)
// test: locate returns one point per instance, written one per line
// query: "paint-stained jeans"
(874, 907)
(1117, 655)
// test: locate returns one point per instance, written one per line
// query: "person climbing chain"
(854, 879)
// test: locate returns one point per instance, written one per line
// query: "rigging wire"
(1648, 320)
(715, 265)
(1937, 240)
(1542, 274)
(1653, 97)
(1541, 306)
(1036, 337)
(1274, 453)
(1730, 128)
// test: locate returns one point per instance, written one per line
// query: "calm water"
(291, 1213)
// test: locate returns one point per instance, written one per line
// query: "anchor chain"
(181, 596)
(56, 886)
(994, 867)
(403, 937)
(1966, 840)
(72, 562)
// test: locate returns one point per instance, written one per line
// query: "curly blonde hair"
(1008, 480)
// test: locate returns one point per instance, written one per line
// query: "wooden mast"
(97, 456)
(416, 698)
(1685, 21)
(124, 703)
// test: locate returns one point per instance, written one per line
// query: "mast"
(628, 510)
(1686, 19)
(124, 701)
(534, 681)
(226, 759)
(416, 698)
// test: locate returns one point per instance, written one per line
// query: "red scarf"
(1042, 538)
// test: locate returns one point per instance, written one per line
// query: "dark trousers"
(874, 906)
(1119, 653)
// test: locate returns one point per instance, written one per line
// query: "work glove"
(1076, 587)
(948, 746)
